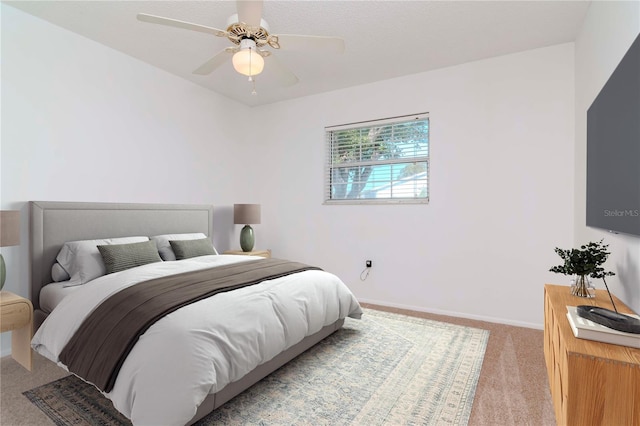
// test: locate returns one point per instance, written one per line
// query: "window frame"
(329, 165)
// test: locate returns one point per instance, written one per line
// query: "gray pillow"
(118, 257)
(184, 249)
(166, 253)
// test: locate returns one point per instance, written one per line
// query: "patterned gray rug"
(386, 369)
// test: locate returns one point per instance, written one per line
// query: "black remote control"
(609, 318)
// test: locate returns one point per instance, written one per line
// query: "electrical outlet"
(368, 263)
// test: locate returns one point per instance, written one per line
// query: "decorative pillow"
(118, 257)
(58, 273)
(166, 252)
(184, 249)
(82, 260)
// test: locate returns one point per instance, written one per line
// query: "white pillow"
(164, 247)
(82, 259)
(58, 273)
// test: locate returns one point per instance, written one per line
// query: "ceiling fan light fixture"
(247, 60)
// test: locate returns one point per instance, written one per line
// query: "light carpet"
(386, 369)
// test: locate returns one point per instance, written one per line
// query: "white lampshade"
(247, 61)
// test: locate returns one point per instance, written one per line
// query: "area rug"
(386, 369)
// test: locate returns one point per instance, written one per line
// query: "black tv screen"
(613, 149)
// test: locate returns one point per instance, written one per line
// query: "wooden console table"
(592, 383)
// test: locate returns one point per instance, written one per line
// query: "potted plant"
(583, 262)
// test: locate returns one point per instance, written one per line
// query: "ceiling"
(384, 39)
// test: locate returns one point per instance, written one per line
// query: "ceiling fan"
(251, 37)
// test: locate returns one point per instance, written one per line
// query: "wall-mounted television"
(613, 150)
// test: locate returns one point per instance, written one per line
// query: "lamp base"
(3, 271)
(247, 238)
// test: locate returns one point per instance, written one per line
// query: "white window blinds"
(378, 161)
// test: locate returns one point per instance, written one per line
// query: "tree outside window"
(379, 161)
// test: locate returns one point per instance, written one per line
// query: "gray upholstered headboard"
(53, 223)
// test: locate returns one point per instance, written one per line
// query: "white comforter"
(200, 348)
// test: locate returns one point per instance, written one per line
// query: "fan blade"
(180, 24)
(282, 73)
(315, 43)
(213, 63)
(249, 12)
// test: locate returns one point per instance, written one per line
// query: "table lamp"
(246, 214)
(9, 236)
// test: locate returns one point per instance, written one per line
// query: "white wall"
(607, 33)
(502, 145)
(82, 122)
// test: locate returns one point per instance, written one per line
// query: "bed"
(200, 355)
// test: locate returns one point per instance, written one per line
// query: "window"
(378, 161)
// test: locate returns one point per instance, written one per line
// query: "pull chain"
(251, 79)
(250, 66)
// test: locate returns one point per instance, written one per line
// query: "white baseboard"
(454, 314)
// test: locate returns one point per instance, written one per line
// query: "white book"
(586, 329)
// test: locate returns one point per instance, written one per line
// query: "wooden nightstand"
(261, 253)
(16, 315)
